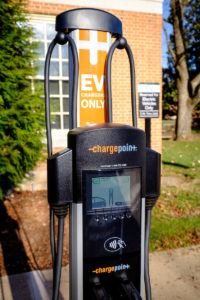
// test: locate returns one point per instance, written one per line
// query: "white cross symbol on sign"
(94, 46)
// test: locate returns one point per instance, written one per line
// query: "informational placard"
(149, 100)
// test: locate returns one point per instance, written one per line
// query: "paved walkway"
(36, 285)
(174, 275)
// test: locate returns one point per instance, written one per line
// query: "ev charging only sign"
(92, 49)
(149, 100)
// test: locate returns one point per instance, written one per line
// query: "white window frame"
(59, 136)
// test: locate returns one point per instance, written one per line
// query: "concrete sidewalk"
(36, 285)
(175, 274)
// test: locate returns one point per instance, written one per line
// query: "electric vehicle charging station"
(106, 179)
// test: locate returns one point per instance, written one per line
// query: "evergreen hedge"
(21, 110)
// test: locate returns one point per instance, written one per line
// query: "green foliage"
(176, 216)
(170, 233)
(21, 110)
(170, 99)
(176, 219)
(181, 158)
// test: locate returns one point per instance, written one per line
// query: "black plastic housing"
(59, 178)
(102, 151)
(153, 174)
(88, 18)
(82, 140)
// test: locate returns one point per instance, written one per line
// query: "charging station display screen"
(111, 191)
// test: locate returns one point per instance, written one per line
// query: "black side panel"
(153, 173)
(88, 18)
(59, 179)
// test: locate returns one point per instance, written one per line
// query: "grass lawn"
(176, 216)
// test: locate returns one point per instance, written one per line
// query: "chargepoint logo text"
(111, 269)
(111, 149)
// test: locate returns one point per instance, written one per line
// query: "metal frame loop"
(121, 43)
(61, 39)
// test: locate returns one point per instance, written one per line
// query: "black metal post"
(148, 132)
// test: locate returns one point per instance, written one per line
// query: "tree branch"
(196, 98)
(185, 2)
(169, 44)
(195, 82)
(181, 63)
(165, 20)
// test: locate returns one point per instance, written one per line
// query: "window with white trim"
(44, 33)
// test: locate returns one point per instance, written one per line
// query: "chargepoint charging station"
(107, 179)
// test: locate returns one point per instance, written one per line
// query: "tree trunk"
(188, 90)
(184, 120)
(185, 108)
(184, 117)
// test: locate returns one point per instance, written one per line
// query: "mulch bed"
(24, 233)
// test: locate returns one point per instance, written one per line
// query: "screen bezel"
(87, 186)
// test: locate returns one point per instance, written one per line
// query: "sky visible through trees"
(166, 8)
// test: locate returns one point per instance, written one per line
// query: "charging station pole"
(106, 177)
(148, 132)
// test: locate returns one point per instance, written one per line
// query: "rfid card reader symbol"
(114, 244)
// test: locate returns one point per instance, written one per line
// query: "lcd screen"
(111, 191)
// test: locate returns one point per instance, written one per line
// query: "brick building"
(142, 25)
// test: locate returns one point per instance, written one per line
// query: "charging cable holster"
(59, 170)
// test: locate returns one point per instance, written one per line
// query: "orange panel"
(84, 35)
(92, 87)
(102, 36)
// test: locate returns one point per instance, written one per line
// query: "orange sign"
(92, 48)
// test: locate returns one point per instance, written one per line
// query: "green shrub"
(21, 110)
